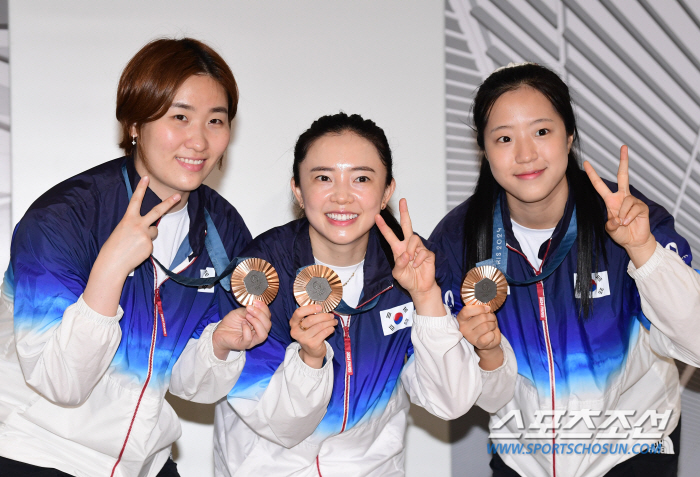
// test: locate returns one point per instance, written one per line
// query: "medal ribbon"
(499, 252)
(345, 309)
(214, 246)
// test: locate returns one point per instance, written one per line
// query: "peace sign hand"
(129, 244)
(414, 265)
(628, 217)
(131, 241)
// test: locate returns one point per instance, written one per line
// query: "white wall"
(294, 61)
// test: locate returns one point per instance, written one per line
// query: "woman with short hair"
(102, 329)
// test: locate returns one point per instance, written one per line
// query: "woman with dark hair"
(328, 394)
(101, 328)
(601, 297)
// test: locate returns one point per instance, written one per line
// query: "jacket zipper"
(148, 376)
(348, 366)
(541, 304)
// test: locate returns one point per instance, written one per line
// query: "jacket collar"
(195, 208)
(376, 269)
(557, 235)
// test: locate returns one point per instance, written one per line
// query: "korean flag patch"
(600, 286)
(397, 318)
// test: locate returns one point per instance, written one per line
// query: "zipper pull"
(348, 349)
(540, 300)
(159, 307)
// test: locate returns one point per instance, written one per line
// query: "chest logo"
(207, 273)
(600, 285)
(397, 318)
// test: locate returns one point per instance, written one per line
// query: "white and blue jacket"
(619, 358)
(349, 417)
(82, 392)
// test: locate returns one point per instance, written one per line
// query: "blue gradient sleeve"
(51, 267)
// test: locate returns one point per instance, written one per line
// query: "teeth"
(341, 217)
(190, 161)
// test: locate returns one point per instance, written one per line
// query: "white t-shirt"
(353, 287)
(172, 230)
(531, 240)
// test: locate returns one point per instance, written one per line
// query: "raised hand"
(130, 243)
(310, 328)
(628, 217)
(480, 327)
(414, 264)
(242, 329)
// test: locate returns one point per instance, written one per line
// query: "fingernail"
(176, 198)
(318, 308)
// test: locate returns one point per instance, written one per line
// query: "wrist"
(221, 352)
(640, 254)
(429, 302)
(490, 359)
(310, 360)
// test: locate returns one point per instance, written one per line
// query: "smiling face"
(180, 149)
(342, 186)
(527, 147)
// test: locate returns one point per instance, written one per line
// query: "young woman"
(100, 332)
(601, 295)
(328, 394)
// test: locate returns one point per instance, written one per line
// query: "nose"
(341, 193)
(525, 150)
(197, 140)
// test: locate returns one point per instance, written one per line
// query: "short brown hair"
(150, 80)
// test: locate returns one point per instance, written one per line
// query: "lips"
(192, 165)
(341, 217)
(190, 161)
(530, 175)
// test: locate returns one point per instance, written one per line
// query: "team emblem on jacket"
(600, 286)
(397, 318)
(207, 273)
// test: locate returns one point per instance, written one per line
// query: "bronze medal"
(254, 279)
(318, 285)
(485, 285)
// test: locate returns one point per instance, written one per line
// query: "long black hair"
(590, 209)
(366, 129)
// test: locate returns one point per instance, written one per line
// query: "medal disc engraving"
(255, 282)
(485, 290)
(318, 289)
(485, 285)
(318, 285)
(254, 279)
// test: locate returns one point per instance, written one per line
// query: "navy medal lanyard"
(215, 247)
(499, 252)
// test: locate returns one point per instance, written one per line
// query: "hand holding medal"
(317, 290)
(628, 217)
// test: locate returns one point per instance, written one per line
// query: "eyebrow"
(330, 169)
(217, 109)
(536, 121)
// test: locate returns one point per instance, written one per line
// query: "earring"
(133, 140)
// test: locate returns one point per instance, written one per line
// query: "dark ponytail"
(367, 129)
(590, 208)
